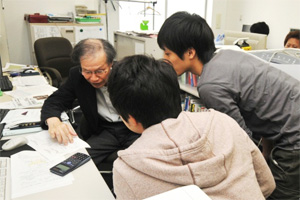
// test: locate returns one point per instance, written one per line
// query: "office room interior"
(122, 18)
(221, 15)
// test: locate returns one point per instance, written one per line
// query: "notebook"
(5, 83)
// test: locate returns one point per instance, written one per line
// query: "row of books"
(192, 104)
(189, 78)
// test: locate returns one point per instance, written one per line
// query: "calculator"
(70, 164)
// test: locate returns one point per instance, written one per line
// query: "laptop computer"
(5, 83)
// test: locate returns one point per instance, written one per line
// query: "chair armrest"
(53, 75)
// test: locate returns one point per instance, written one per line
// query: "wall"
(113, 18)
(3, 40)
(17, 31)
(133, 13)
(280, 15)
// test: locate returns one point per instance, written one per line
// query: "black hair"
(89, 47)
(260, 27)
(145, 88)
(182, 31)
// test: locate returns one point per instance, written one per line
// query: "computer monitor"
(246, 28)
(279, 56)
(256, 41)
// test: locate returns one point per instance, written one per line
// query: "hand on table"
(63, 132)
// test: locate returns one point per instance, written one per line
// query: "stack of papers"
(31, 172)
(28, 97)
(13, 67)
(20, 116)
(37, 80)
(15, 118)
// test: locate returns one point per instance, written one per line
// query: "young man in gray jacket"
(263, 100)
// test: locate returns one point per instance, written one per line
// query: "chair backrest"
(54, 52)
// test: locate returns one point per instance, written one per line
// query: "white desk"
(88, 183)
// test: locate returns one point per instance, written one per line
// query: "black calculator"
(70, 164)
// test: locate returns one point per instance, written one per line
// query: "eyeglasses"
(99, 72)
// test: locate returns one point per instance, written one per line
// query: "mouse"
(29, 71)
(14, 143)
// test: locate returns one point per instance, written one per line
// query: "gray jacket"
(262, 99)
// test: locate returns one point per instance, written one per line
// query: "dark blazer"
(76, 87)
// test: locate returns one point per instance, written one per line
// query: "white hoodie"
(207, 149)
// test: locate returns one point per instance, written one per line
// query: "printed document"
(31, 91)
(28, 97)
(15, 117)
(31, 174)
(50, 148)
(13, 67)
(18, 116)
(29, 80)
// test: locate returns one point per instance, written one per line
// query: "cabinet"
(72, 31)
(130, 44)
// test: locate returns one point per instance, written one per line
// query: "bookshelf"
(188, 83)
(190, 97)
(189, 89)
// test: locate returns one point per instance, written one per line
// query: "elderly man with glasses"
(87, 83)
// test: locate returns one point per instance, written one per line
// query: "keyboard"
(4, 178)
(5, 84)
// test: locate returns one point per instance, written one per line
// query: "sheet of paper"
(28, 97)
(13, 67)
(31, 91)
(29, 80)
(27, 102)
(190, 192)
(7, 105)
(18, 116)
(31, 174)
(24, 102)
(15, 117)
(50, 148)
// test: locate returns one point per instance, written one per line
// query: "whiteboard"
(83, 32)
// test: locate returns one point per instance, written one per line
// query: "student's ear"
(134, 125)
(132, 121)
(191, 53)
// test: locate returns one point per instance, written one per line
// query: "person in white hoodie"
(177, 148)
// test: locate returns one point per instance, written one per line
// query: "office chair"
(53, 55)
